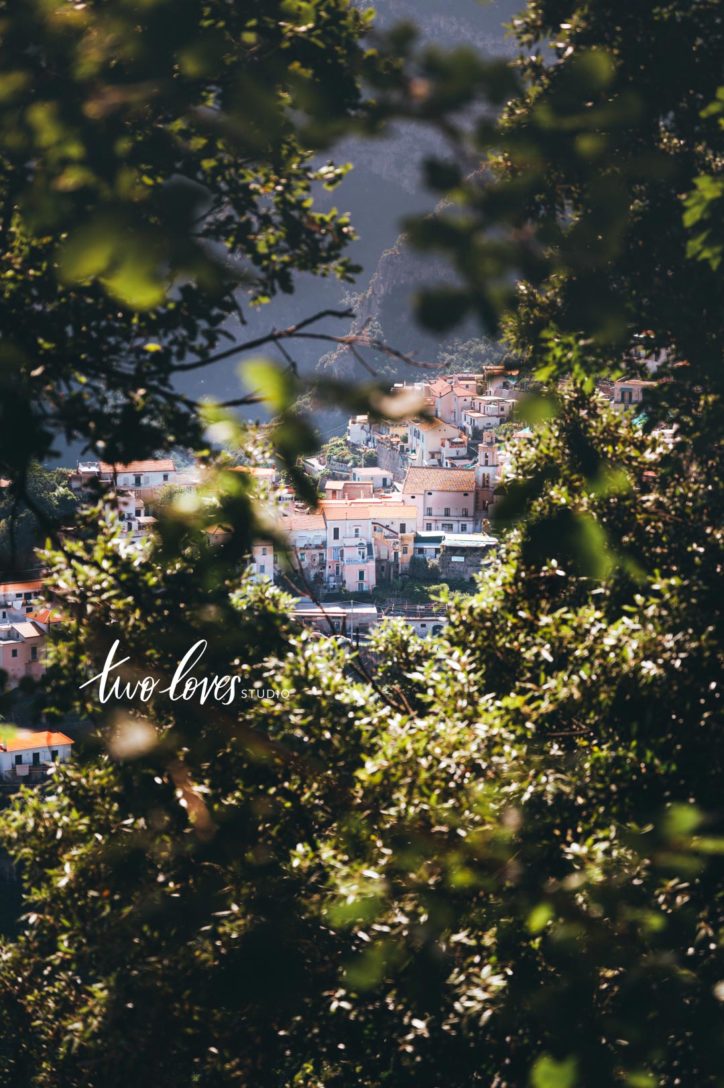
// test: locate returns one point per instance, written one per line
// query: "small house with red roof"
(135, 475)
(29, 755)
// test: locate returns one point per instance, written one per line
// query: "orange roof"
(362, 509)
(439, 387)
(434, 425)
(438, 479)
(7, 589)
(261, 471)
(46, 615)
(302, 521)
(25, 741)
(164, 465)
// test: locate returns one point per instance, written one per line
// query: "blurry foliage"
(615, 121)
(497, 859)
(26, 519)
(154, 160)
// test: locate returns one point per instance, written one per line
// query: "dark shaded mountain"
(384, 187)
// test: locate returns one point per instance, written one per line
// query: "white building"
(17, 598)
(433, 441)
(380, 478)
(28, 755)
(136, 475)
(359, 431)
(486, 413)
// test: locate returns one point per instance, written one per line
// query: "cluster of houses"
(423, 508)
(456, 413)
(361, 538)
(136, 484)
(26, 756)
(24, 627)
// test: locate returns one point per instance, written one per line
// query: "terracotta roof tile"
(15, 589)
(438, 479)
(165, 465)
(294, 522)
(362, 509)
(26, 741)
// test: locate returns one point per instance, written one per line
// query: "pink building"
(262, 561)
(452, 402)
(307, 535)
(445, 498)
(489, 467)
(21, 646)
(353, 528)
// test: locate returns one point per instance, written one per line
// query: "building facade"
(446, 499)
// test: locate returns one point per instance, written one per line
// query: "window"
(335, 534)
(428, 511)
(263, 551)
(429, 492)
(19, 760)
(486, 479)
(137, 481)
(446, 512)
(14, 653)
(165, 477)
(54, 755)
(139, 513)
(428, 526)
(356, 530)
(405, 549)
(403, 526)
(36, 759)
(361, 576)
(465, 512)
(463, 527)
(262, 568)
(447, 526)
(465, 494)
(33, 653)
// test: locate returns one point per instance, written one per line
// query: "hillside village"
(411, 506)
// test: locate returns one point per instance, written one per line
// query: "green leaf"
(549, 1073)
(275, 386)
(539, 917)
